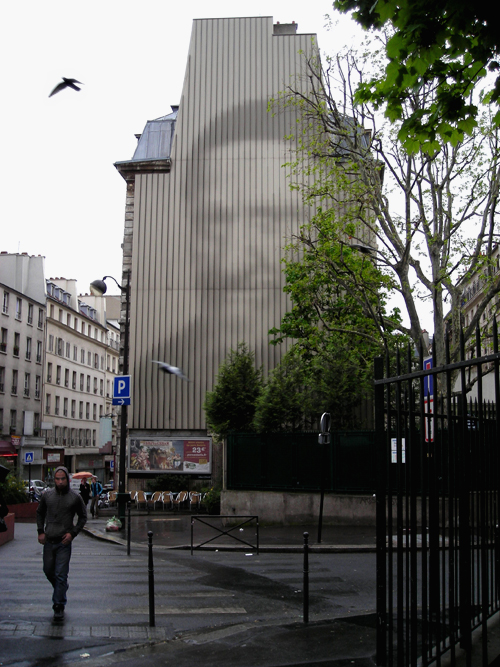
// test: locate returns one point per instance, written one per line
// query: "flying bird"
(167, 368)
(66, 83)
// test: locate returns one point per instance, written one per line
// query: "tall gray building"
(209, 209)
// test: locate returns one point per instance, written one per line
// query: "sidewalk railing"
(223, 531)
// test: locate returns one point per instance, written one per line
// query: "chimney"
(285, 28)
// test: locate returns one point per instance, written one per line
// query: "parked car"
(39, 485)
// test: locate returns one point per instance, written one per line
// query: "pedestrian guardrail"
(225, 531)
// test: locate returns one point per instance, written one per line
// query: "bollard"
(129, 504)
(151, 578)
(306, 578)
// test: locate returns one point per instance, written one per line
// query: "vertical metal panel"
(208, 235)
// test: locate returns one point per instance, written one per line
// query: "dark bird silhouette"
(66, 83)
(167, 368)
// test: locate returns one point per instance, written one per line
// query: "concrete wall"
(282, 508)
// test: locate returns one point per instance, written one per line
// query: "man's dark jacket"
(57, 509)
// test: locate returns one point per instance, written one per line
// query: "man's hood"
(65, 471)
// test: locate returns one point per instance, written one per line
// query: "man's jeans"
(56, 567)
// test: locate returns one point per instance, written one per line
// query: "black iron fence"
(296, 462)
(438, 472)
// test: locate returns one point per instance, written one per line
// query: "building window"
(114, 364)
(51, 311)
(68, 320)
(39, 351)
(80, 410)
(94, 412)
(58, 375)
(95, 385)
(14, 383)
(19, 308)
(30, 313)
(60, 315)
(5, 305)
(96, 361)
(1, 420)
(27, 380)
(56, 408)
(3, 340)
(88, 383)
(66, 377)
(94, 438)
(101, 384)
(40, 318)
(87, 410)
(68, 350)
(60, 347)
(13, 420)
(17, 341)
(51, 343)
(76, 323)
(107, 388)
(65, 407)
(82, 381)
(107, 363)
(102, 362)
(73, 409)
(2, 381)
(82, 356)
(28, 349)
(37, 421)
(73, 383)
(49, 372)
(75, 353)
(89, 358)
(38, 382)
(47, 404)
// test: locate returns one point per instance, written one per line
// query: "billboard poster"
(186, 455)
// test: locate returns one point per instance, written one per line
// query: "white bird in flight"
(167, 368)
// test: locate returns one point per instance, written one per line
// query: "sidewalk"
(173, 531)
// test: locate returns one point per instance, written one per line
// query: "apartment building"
(22, 340)
(81, 353)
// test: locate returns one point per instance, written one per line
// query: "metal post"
(151, 579)
(129, 504)
(122, 499)
(306, 578)
(29, 483)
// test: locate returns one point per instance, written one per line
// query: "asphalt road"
(222, 592)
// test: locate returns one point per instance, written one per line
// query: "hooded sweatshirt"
(57, 509)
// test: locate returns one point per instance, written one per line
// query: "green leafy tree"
(440, 53)
(231, 404)
(425, 222)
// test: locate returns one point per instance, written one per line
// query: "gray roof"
(155, 143)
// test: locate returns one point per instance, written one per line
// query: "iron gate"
(438, 541)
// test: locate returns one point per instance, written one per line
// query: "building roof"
(155, 143)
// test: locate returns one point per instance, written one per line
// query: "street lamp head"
(98, 287)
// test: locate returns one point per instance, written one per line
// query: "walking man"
(56, 530)
(95, 490)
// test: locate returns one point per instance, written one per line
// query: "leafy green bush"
(169, 483)
(13, 490)
(211, 499)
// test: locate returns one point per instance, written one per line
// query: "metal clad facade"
(208, 235)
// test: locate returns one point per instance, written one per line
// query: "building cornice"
(129, 168)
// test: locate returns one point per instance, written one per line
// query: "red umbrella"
(82, 475)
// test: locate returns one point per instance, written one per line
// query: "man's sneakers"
(58, 612)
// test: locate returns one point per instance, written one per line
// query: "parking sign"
(121, 390)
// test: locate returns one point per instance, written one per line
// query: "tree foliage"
(427, 220)
(231, 404)
(443, 47)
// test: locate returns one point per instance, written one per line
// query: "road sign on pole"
(29, 457)
(121, 390)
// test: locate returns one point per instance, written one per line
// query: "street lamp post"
(122, 497)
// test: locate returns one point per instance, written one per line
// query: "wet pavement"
(178, 531)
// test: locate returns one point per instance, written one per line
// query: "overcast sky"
(61, 195)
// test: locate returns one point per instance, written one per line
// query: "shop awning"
(7, 448)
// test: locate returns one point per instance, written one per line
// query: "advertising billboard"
(179, 455)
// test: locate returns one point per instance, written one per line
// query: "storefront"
(8, 454)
